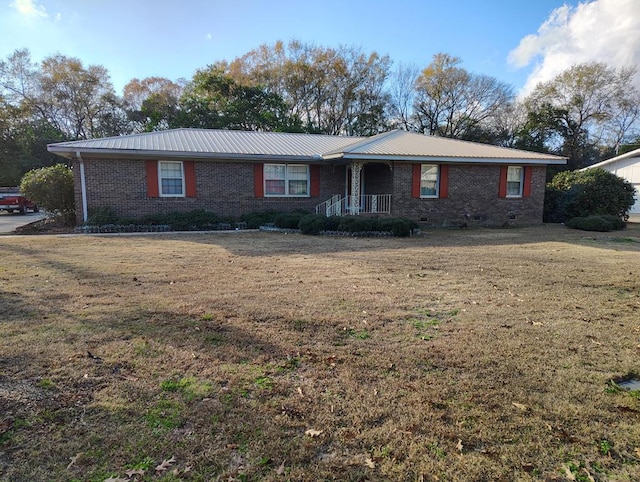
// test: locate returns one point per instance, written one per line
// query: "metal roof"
(208, 143)
(216, 144)
(403, 144)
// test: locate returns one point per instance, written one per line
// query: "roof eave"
(70, 153)
(445, 159)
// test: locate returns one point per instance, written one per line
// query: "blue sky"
(518, 42)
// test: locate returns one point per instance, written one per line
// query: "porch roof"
(263, 146)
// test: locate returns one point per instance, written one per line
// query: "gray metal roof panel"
(409, 144)
(206, 141)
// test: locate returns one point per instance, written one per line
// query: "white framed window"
(429, 180)
(286, 180)
(515, 181)
(171, 178)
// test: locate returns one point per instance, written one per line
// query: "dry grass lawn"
(477, 355)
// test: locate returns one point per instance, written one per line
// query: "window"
(171, 176)
(286, 180)
(429, 180)
(514, 181)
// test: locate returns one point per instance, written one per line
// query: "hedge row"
(106, 220)
(317, 224)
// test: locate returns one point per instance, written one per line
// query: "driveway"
(9, 222)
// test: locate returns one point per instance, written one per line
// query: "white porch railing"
(369, 204)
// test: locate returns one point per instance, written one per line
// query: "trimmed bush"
(103, 216)
(313, 224)
(594, 223)
(197, 220)
(616, 223)
(256, 219)
(289, 220)
(316, 223)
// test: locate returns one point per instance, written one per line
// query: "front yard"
(454, 355)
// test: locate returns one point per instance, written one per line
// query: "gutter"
(83, 188)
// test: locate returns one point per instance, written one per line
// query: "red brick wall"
(473, 198)
(227, 188)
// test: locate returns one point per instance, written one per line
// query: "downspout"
(83, 188)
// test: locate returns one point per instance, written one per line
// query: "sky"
(519, 42)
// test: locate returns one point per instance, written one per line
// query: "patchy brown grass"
(455, 355)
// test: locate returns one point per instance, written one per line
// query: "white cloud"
(209, 37)
(596, 31)
(30, 8)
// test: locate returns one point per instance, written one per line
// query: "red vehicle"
(14, 202)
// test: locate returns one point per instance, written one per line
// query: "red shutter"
(415, 180)
(258, 180)
(526, 189)
(190, 178)
(444, 180)
(502, 188)
(152, 178)
(314, 174)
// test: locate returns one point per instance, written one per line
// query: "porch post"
(356, 169)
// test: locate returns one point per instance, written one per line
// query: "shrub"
(574, 222)
(313, 224)
(256, 219)
(616, 223)
(289, 220)
(103, 216)
(587, 193)
(196, 220)
(51, 188)
(602, 223)
(400, 227)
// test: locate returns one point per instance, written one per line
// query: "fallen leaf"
(165, 465)
(313, 433)
(459, 445)
(116, 479)
(299, 390)
(74, 459)
(369, 463)
(519, 405)
(132, 472)
(280, 469)
(638, 451)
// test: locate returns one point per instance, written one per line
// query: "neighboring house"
(433, 180)
(626, 166)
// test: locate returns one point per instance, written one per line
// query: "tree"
(402, 96)
(586, 106)
(51, 188)
(451, 102)
(214, 100)
(152, 103)
(332, 91)
(76, 99)
(53, 101)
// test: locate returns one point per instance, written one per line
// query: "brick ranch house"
(432, 180)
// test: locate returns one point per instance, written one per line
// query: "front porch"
(361, 179)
